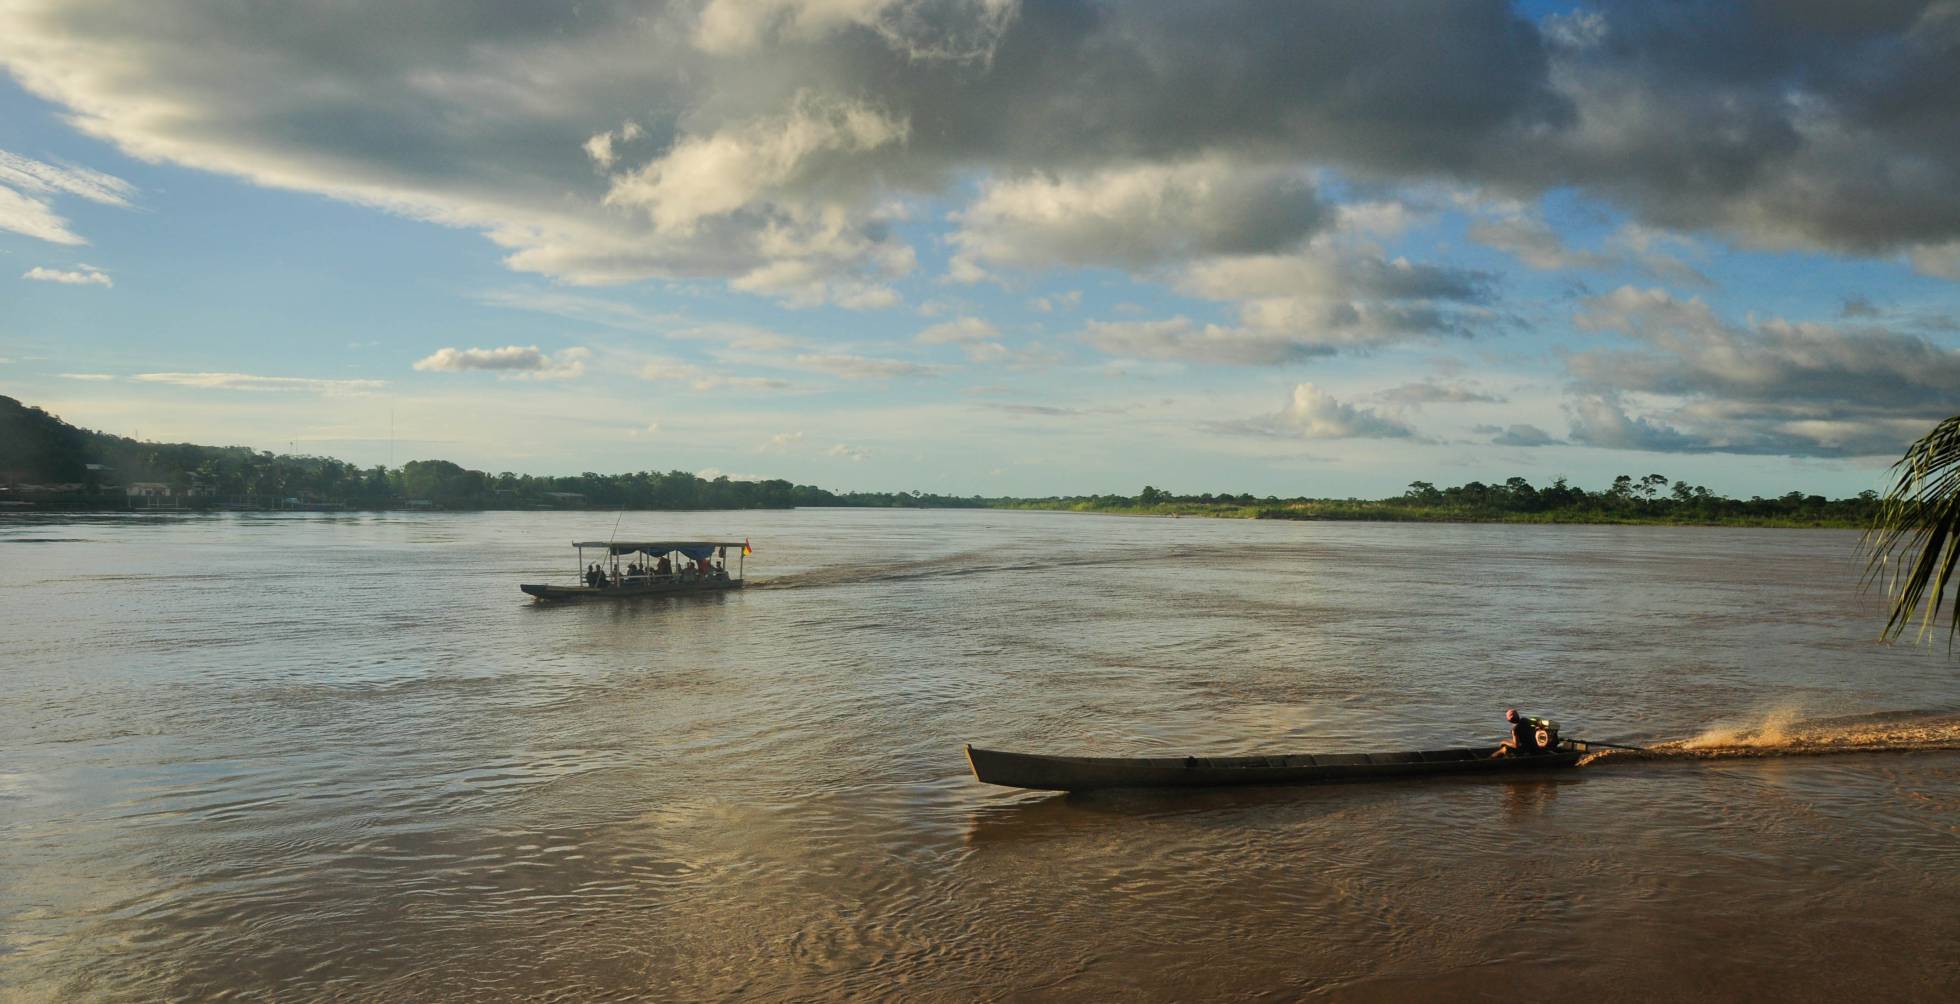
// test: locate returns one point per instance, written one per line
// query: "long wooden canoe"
(1084, 773)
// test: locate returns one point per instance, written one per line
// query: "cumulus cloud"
(1137, 215)
(250, 382)
(771, 134)
(83, 275)
(1312, 413)
(1320, 299)
(746, 164)
(519, 361)
(853, 454)
(1769, 386)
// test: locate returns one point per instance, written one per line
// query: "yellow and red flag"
(746, 550)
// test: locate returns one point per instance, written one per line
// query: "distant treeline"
(45, 461)
(1650, 499)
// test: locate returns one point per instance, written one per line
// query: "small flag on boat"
(746, 551)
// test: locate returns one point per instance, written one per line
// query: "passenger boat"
(1085, 773)
(670, 567)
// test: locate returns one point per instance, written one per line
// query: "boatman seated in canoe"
(1529, 736)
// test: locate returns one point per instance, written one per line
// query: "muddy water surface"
(304, 757)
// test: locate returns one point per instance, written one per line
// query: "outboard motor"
(1545, 731)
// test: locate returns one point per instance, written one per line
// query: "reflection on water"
(297, 757)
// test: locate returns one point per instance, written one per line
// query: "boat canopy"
(695, 549)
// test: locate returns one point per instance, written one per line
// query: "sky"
(995, 247)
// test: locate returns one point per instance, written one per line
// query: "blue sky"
(976, 246)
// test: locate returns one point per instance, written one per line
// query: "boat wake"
(970, 563)
(1784, 732)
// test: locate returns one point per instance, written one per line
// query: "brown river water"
(304, 757)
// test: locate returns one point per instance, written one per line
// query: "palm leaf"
(1914, 541)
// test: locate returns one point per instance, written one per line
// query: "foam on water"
(1785, 731)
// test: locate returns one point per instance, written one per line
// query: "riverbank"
(1388, 512)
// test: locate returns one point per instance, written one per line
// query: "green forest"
(1653, 498)
(47, 463)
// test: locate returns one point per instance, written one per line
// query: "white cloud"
(85, 275)
(249, 382)
(1334, 293)
(1135, 216)
(854, 367)
(27, 174)
(1060, 301)
(1535, 243)
(27, 187)
(600, 146)
(756, 117)
(518, 361)
(1769, 386)
(32, 217)
(701, 379)
(854, 454)
(962, 330)
(736, 167)
(1312, 413)
(1180, 338)
(975, 336)
(90, 377)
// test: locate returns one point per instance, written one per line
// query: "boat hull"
(1082, 773)
(557, 594)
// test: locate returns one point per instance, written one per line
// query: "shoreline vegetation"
(48, 465)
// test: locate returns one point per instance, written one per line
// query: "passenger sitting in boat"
(1523, 740)
(665, 566)
(592, 576)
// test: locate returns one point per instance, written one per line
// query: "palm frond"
(1914, 540)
